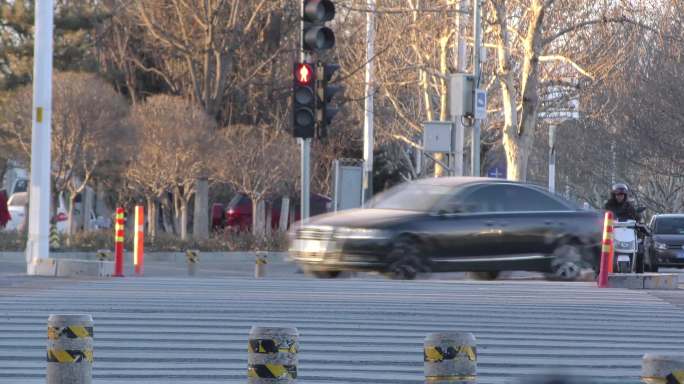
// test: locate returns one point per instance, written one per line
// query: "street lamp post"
(37, 248)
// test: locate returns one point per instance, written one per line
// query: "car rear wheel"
(567, 263)
(485, 276)
(404, 260)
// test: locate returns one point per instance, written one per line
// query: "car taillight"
(61, 216)
(231, 212)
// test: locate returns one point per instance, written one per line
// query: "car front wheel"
(566, 264)
(404, 261)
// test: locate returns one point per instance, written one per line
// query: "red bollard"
(606, 251)
(119, 243)
(138, 241)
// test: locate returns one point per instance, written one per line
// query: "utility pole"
(457, 134)
(368, 129)
(477, 50)
(37, 248)
(552, 158)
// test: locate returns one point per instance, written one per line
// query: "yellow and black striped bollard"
(260, 265)
(54, 237)
(104, 254)
(450, 357)
(70, 349)
(192, 256)
(662, 369)
(272, 355)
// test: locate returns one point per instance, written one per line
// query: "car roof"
(458, 181)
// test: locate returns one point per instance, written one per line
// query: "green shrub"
(12, 241)
(228, 241)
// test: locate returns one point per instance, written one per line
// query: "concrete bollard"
(104, 254)
(70, 349)
(450, 357)
(260, 265)
(192, 255)
(665, 369)
(272, 355)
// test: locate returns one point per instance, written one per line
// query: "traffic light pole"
(305, 143)
(368, 129)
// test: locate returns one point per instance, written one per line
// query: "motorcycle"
(628, 246)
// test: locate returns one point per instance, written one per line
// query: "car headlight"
(361, 233)
(660, 246)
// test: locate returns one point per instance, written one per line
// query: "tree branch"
(568, 61)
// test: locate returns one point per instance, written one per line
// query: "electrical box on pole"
(464, 98)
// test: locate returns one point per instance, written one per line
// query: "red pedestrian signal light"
(304, 74)
(304, 100)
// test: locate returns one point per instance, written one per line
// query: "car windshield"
(669, 226)
(411, 197)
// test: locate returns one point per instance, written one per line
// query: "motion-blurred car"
(480, 225)
(667, 240)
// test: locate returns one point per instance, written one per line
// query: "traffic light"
(304, 100)
(324, 95)
(316, 37)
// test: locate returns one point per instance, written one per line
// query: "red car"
(238, 213)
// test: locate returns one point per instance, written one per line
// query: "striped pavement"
(181, 330)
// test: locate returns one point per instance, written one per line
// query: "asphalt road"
(361, 329)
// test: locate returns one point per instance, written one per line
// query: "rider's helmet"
(619, 188)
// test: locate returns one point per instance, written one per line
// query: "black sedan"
(667, 240)
(453, 224)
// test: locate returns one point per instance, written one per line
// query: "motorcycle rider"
(622, 208)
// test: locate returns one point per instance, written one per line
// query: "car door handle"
(489, 223)
(548, 222)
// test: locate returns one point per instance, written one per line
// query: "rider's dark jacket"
(622, 211)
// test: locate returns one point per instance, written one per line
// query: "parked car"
(453, 224)
(16, 205)
(667, 235)
(238, 212)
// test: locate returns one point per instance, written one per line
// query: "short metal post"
(450, 357)
(70, 349)
(260, 265)
(192, 256)
(272, 355)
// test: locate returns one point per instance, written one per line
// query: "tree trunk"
(517, 156)
(201, 222)
(178, 221)
(167, 213)
(258, 216)
(152, 219)
(87, 206)
(70, 220)
(183, 218)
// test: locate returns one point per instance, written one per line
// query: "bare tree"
(256, 160)
(87, 127)
(173, 141)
